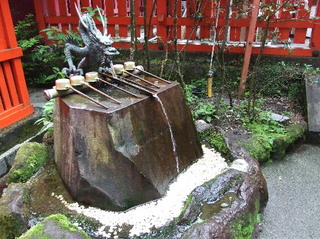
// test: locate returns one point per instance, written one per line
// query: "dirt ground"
(230, 123)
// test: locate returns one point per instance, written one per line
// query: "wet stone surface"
(127, 155)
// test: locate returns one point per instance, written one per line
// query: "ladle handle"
(139, 78)
(88, 97)
(130, 84)
(119, 88)
(150, 74)
(102, 93)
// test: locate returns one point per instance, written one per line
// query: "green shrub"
(40, 62)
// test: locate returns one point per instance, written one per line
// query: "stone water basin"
(127, 155)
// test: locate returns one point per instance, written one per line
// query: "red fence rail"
(14, 100)
(298, 31)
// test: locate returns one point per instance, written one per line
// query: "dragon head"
(93, 37)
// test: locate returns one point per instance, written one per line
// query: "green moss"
(63, 221)
(38, 232)
(243, 228)
(185, 207)
(35, 232)
(216, 141)
(29, 159)
(295, 131)
(10, 227)
(271, 141)
(258, 147)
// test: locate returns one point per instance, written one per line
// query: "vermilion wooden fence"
(298, 32)
(14, 98)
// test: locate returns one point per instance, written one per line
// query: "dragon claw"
(72, 71)
(105, 70)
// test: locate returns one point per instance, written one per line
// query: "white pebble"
(156, 213)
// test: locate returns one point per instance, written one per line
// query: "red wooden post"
(10, 83)
(148, 12)
(222, 16)
(284, 32)
(207, 20)
(39, 14)
(301, 33)
(179, 14)
(109, 10)
(14, 100)
(137, 12)
(86, 3)
(247, 54)
(162, 30)
(122, 12)
(315, 39)
(63, 12)
(191, 13)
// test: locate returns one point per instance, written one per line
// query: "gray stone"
(3, 167)
(127, 155)
(313, 102)
(201, 125)
(241, 165)
(223, 205)
(279, 118)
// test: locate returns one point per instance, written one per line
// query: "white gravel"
(156, 213)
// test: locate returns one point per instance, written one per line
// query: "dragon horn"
(79, 14)
(104, 25)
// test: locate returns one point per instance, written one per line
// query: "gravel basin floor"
(293, 210)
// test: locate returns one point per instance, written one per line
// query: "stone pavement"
(293, 210)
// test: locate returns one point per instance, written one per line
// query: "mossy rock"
(55, 226)
(29, 158)
(13, 212)
(296, 132)
(279, 147)
(244, 226)
(264, 148)
(258, 147)
(215, 140)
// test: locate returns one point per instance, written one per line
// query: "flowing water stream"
(174, 144)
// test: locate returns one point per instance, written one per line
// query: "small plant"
(58, 38)
(47, 116)
(205, 111)
(57, 74)
(190, 97)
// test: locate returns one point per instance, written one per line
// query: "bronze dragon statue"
(97, 50)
